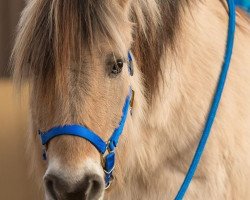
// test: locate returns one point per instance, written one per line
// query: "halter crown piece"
(106, 149)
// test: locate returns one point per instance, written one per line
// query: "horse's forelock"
(53, 33)
(159, 25)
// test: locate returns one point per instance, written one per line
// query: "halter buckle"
(108, 164)
(108, 177)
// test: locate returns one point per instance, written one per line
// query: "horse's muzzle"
(91, 187)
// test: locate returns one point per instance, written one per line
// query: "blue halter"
(107, 149)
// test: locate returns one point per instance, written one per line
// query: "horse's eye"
(117, 67)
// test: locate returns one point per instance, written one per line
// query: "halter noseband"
(106, 149)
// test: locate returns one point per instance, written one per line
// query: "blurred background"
(14, 181)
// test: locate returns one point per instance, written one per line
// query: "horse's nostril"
(90, 187)
(95, 187)
(50, 182)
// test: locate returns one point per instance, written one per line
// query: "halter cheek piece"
(106, 149)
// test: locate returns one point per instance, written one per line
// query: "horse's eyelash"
(112, 59)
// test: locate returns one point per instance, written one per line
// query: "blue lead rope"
(244, 4)
(215, 104)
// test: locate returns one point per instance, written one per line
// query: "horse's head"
(75, 56)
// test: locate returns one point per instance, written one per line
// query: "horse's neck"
(165, 144)
(178, 110)
(175, 118)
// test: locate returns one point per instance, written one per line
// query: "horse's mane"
(150, 46)
(53, 33)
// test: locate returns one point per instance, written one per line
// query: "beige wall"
(9, 15)
(15, 183)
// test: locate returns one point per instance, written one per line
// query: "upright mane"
(53, 33)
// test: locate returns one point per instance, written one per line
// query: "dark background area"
(9, 15)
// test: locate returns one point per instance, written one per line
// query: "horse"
(73, 55)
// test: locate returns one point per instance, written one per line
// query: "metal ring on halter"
(108, 169)
(107, 152)
(109, 183)
(109, 172)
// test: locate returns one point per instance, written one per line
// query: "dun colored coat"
(68, 50)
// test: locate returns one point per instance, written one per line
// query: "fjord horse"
(73, 54)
